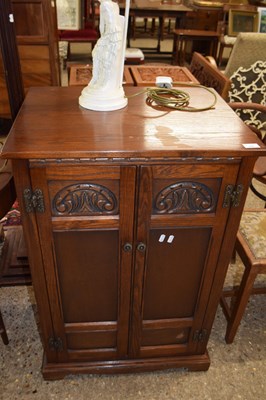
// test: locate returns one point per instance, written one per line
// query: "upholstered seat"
(249, 48)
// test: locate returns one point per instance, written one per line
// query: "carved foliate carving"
(184, 197)
(85, 199)
(199, 71)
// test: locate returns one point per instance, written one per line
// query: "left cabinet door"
(86, 236)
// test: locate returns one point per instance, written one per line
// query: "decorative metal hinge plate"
(200, 336)
(56, 344)
(232, 195)
(33, 200)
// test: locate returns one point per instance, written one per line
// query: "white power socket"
(165, 82)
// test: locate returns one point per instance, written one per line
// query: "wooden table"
(130, 219)
(155, 9)
(145, 75)
(80, 75)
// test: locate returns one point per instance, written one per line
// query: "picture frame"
(69, 14)
(262, 19)
(242, 21)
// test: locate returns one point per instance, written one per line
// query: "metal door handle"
(141, 247)
(127, 247)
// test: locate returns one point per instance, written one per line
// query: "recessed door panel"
(87, 268)
(175, 263)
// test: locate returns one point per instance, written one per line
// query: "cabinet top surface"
(51, 124)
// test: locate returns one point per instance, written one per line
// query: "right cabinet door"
(180, 225)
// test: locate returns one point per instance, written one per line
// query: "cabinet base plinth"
(53, 371)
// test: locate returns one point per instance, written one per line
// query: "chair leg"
(175, 50)
(240, 303)
(220, 54)
(3, 330)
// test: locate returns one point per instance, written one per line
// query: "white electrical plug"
(164, 82)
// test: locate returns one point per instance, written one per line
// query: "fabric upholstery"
(248, 48)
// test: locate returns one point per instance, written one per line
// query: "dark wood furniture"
(130, 218)
(198, 27)
(183, 36)
(145, 75)
(208, 75)
(250, 245)
(80, 75)
(14, 266)
(152, 9)
(11, 84)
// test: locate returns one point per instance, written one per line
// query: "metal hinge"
(56, 344)
(33, 200)
(200, 336)
(232, 195)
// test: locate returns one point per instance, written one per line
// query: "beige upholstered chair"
(248, 48)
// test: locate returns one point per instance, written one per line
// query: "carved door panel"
(86, 234)
(180, 227)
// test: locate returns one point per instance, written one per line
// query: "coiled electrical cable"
(176, 99)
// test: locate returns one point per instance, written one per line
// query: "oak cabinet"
(128, 248)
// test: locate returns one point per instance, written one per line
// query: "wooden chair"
(198, 26)
(209, 76)
(250, 245)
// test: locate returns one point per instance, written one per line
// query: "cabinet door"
(180, 227)
(86, 233)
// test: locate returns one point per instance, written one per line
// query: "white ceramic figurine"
(105, 92)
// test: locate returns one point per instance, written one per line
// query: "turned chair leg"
(3, 330)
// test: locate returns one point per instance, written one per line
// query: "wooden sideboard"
(130, 219)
